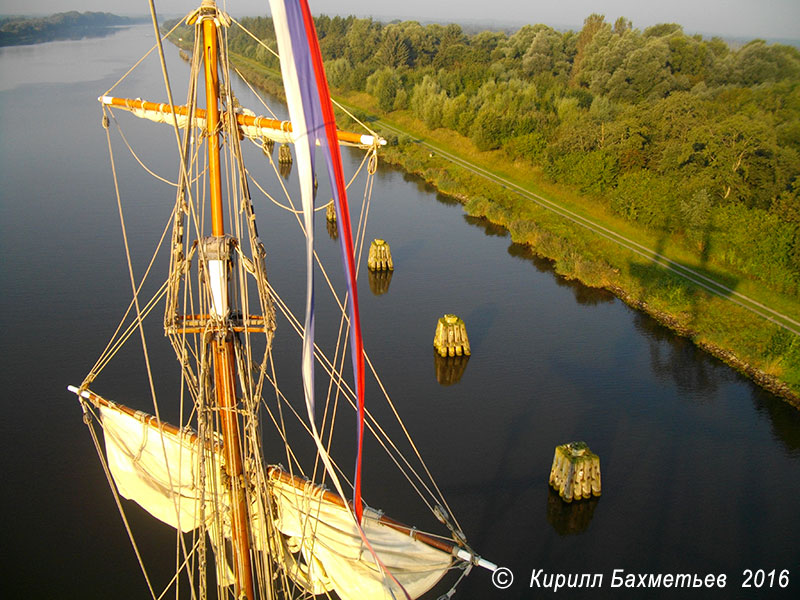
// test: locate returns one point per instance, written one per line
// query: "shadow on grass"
(681, 287)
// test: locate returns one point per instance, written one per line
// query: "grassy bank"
(764, 351)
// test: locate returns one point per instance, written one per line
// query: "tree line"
(67, 25)
(683, 135)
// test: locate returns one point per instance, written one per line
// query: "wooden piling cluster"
(380, 256)
(284, 155)
(450, 338)
(575, 473)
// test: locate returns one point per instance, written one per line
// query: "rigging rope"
(138, 62)
(196, 386)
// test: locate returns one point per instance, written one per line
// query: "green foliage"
(427, 101)
(384, 85)
(646, 198)
(695, 217)
(530, 146)
(680, 134)
(592, 172)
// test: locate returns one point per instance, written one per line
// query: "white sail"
(160, 470)
(335, 557)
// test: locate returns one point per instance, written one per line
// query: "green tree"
(695, 215)
(394, 50)
(591, 26)
(384, 85)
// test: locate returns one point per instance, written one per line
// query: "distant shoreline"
(21, 31)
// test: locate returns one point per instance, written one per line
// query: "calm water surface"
(701, 469)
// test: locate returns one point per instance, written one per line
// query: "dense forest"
(683, 135)
(15, 31)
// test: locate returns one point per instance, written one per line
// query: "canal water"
(701, 468)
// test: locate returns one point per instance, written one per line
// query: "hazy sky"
(744, 18)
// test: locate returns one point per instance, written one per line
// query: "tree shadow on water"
(674, 359)
(490, 229)
(584, 294)
(784, 419)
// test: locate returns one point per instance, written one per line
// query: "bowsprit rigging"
(262, 531)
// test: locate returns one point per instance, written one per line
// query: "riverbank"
(763, 351)
(18, 31)
(711, 316)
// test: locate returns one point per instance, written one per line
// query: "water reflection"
(677, 360)
(422, 186)
(489, 228)
(449, 369)
(585, 295)
(333, 232)
(784, 419)
(569, 518)
(378, 280)
(446, 199)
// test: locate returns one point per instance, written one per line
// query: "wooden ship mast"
(255, 509)
(222, 336)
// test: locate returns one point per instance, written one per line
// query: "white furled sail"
(328, 539)
(249, 124)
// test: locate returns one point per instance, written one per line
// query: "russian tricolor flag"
(313, 125)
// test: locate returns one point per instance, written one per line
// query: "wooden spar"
(222, 342)
(197, 324)
(210, 56)
(225, 386)
(264, 123)
(149, 420)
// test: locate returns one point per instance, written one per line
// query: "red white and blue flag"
(314, 125)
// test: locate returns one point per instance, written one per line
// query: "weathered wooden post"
(450, 338)
(380, 256)
(575, 473)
